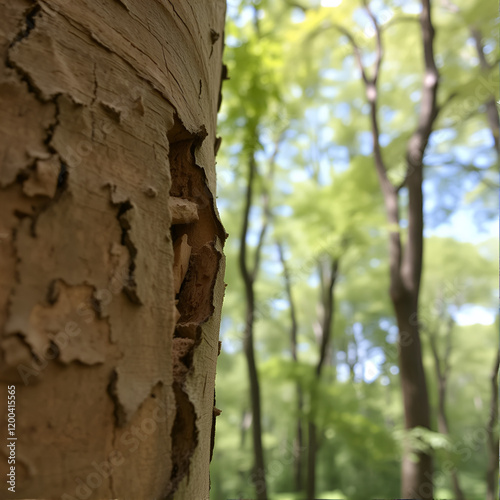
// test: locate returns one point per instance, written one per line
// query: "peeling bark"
(107, 125)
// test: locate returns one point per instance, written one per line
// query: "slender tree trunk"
(442, 368)
(258, 475)
(298, 442)
(111, 250)
(249, 276)
(311, 460)
(443, 428)
(328, 277)
(492, 428)
(491, 104)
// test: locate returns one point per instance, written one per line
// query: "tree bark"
(111, 246)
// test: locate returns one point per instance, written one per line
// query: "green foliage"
(294, 86)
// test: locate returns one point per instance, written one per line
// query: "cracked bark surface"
(107, 147)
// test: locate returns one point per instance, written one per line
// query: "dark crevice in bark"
(31, 15)
(118, 412)
(30, 24)
(195, 232)
(130, 286)
(62, 178)
(123, 208)
(62, 184)
(184, 436)
(53, 291)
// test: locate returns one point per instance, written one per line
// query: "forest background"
(309, 333)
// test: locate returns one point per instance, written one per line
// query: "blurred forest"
(324, 103)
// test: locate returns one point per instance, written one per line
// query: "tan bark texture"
(107, 164)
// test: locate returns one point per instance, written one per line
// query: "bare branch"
(291, 303)
(447, 352)
(379, 49)
(447, 101)
(355, 47)
(247, 278)
(412, 258)
(478, 41)
(435, 354)
(328, 311)
(266, 207)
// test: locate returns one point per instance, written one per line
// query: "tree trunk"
(492, 428)
(416, 475)
(328, 274)
(311, 460)
(249, 276)
(442, 369)
(406, 264)
(111, 246)
(298, 441)
(298, 447)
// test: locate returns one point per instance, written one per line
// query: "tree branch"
(478, 41)
(291, 303)
(266, 207)
(328, 309)
(245, 273)
(370, 85)
(379, 50)
(412, 259)
(491, 106)
(355, 47)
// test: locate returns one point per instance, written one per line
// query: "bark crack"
(30, 24)
(130, 287)
(195, 230)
